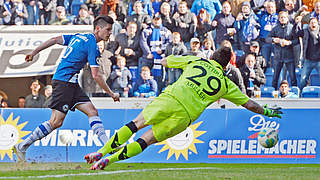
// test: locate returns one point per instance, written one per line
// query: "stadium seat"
(311, 92)
(267, 92)
(295, 90)
(269, 76)
(314, 78)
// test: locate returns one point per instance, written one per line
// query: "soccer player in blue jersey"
(67, 94)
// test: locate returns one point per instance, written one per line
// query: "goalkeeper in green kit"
(202, 83)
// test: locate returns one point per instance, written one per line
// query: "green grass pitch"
(155, 171)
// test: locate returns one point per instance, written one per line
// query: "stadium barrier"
(222, 134)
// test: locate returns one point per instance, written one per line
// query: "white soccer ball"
(268, 137)
(66, 138)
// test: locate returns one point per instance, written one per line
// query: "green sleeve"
(180, 61)
(234, 94)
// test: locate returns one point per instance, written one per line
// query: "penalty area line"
(106, 173)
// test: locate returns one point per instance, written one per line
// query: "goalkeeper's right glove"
(272, 112)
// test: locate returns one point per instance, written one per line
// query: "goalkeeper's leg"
(119, 138)
(127, 151)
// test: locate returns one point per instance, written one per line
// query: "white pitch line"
(105, 173)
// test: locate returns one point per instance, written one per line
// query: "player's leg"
(119, 138)
(41, 131)
(94, 120)
(128, 151)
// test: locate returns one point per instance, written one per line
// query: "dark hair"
(102, 20)
(21, 97)
(222, 55)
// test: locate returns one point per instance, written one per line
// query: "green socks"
(128, 151)
(119, 138)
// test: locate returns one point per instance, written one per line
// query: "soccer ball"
(66, 138)
(268, 137)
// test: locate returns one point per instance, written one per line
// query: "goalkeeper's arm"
(255, 107)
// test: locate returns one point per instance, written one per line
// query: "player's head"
(103, 27)
(222, 55)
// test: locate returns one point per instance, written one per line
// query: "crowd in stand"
(266, 36)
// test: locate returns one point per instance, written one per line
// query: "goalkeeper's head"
(222, 55)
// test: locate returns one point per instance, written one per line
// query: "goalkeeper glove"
(272, 112)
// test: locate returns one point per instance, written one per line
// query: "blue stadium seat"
(267, 92)
(314, 78)
(311, 92)
(269, 76)
(295, 90)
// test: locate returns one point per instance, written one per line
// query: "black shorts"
(65, 96)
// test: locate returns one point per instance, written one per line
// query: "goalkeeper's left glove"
(272, 112)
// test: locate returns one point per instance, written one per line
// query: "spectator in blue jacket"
(268, 20)
(284, 90)
(247, 26)
(213, 7)
(146, 86)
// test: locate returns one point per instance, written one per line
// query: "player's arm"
(44, 45)
(178, 61)
(98, 78)
(255, 107)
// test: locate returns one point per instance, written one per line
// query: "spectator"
(311, 51)
(88, 84)
(283, 39)
(129, 48)
(121, 78)
(268, 20)
(236, 6)
(4, 103)
(115, 6)
(94, 7)
(61, 18)
(204, 28)
(33, 13)
(146, 7)
(285, 90)
(20, 13)
(165, 14)
(175, 48)
(143, 20)
(292, 6)
(314, 14)
(116, 26)
(213, 7)
(185, 23)
(35, 99)
(84, 18)
(255, 50)
(153, 42)
(6, 12)
(246, 26)
(235, 76)
(21, 101)
(223, 23)
(195, 48)
(47, 94)
(47, 10)
(258, 5)
(156, 6)
(253, 76)
(207, 48)
(233, 60)
(146, 86)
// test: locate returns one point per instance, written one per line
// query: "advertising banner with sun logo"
(11, 133)
(217, 136)
(183, 142)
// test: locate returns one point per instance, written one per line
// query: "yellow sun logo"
(182, 142)
(11, 134)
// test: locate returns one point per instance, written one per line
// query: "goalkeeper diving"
(202, 83)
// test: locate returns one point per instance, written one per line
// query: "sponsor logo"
(11, 134)
(250, 148)
(182, 142)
